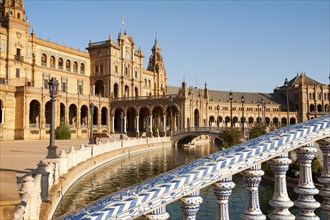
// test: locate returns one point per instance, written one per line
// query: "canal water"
(126, 171)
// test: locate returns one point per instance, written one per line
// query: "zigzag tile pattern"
(168, 187)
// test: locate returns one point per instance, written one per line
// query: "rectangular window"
(101, 68)
(17, 72)
(96, 69)
(29, 52)
(3, 46)
(64, 83)
(63, 87)
(80, 86)
(116, 69)
(45, 82)
(18, 52)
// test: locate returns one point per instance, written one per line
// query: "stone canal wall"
(41, 193)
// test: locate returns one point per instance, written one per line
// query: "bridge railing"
(36, 189)
(198, 129)
(150, 198)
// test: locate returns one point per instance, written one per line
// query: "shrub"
(257, 131)
(230, 137)
(63, 132)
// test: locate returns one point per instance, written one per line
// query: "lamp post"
(53, 89)
(91, 109)
(171, 102)
(218, 108)
(329, 94)
(231, 108)
(286, 84)
(242, 100)
(264, 116)
(121, 125)
(258, 104)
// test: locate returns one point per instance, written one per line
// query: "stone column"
(137, 126)
(222, 191)
(158, 214)
(150, 125)
(306, 189)
(280, 201)
(325, 177)
(252, 178)
(164, 123)
(113, 125)
(125, 117)
(190, 205)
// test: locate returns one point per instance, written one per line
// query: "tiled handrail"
(152, 194)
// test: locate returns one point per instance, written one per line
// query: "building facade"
(127, 96)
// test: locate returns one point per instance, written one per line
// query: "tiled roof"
(223, 96)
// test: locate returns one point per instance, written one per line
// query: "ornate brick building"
(126, 95)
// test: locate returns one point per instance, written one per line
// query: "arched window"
(44, 59)
(52, 62)
(115, 90)
(60, 63)
(82, 68)
(312, 108)
(75, 67)
(68, 65)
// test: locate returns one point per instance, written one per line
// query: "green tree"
(257, 131)
(230, 137)
(63, 132)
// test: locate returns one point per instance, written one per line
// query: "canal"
(129, 170)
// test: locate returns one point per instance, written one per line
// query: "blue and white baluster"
(222, 191)
(325, 177)
(158, 214)
(190, 205)
(280, 201)
(306, 189)
(252, 179)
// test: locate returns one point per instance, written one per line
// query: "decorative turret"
(12, 8)
(205, 91)
(156, 59)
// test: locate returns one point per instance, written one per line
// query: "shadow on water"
(124, 172)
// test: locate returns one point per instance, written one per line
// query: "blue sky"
(249, 46)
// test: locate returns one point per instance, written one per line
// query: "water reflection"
(129, 170)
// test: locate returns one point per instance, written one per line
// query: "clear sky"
(249, 46)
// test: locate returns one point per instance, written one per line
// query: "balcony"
(19, 58)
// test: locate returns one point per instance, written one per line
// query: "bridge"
(149, 198)
(186, 135)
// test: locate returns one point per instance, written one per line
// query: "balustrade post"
(158, 214)
(190, 205)
(280, 201)
(252, 178)
(306, 189)
(222, 191)
(325, 177)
